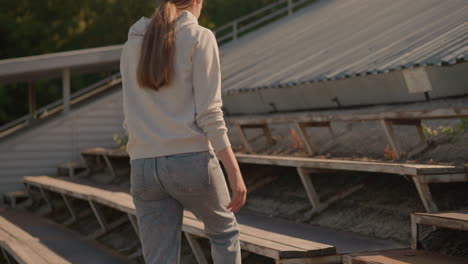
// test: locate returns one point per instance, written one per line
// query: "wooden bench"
(23, 248)
(421, 174)
(281, 248)
(301, 120)
(451, 219)
(71, 169)
(14, 197)
(401, 257)
(115, 161)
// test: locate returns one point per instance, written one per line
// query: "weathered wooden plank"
(454, 219)
(275, 237)
(401, 257)
(18, 250)
(350, 165)
(252, 239)
(24, 247)
(441, 113)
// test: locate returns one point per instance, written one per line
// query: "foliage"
(453, 133)
(121, 141)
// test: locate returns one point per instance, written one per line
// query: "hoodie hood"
(185, 18)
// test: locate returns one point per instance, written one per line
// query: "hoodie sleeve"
(207, 90)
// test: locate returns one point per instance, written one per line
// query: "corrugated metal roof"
(335, 39)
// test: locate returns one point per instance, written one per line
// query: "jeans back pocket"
(143, 182)
(189, 172)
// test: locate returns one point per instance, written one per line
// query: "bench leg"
(309, 187)
(134, 223)
(425, 195)
(243, 137)
(72, 218)
(100, 218)
(390, 133)
(6, 256)
(46, 198)
(110, 168)
(267, 133)
(303, 134)
(414, 232)
(196, 248)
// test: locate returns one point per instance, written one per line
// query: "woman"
(172, 114)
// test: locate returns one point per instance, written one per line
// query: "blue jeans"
(162, 187)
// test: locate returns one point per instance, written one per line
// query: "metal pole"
(32, 100)
(66, 90)
(234, 30)
(290, 7)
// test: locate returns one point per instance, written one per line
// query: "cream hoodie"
(184, 116)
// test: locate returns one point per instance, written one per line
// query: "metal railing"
(58, 106)
(241, 25)
(224, 33)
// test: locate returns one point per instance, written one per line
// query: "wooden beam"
(390, 133)
(311, 150)
(243, 137)
(313, 116)
(309, 187)
(267, 133)
(457, 220)
(350, 165)
(425, 195)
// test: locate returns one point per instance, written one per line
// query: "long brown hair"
(157, 49)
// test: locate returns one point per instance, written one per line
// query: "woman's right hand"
(236, 181)
(239, 192)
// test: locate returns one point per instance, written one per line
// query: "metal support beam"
(66, 90)
(110, 168)
(73, 217)
(6, 256)
(414, 232)
(196, 248)
(32, 100)
(234, 30)
(46, 198)
(100, 218)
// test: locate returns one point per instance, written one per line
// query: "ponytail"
(158, 46)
